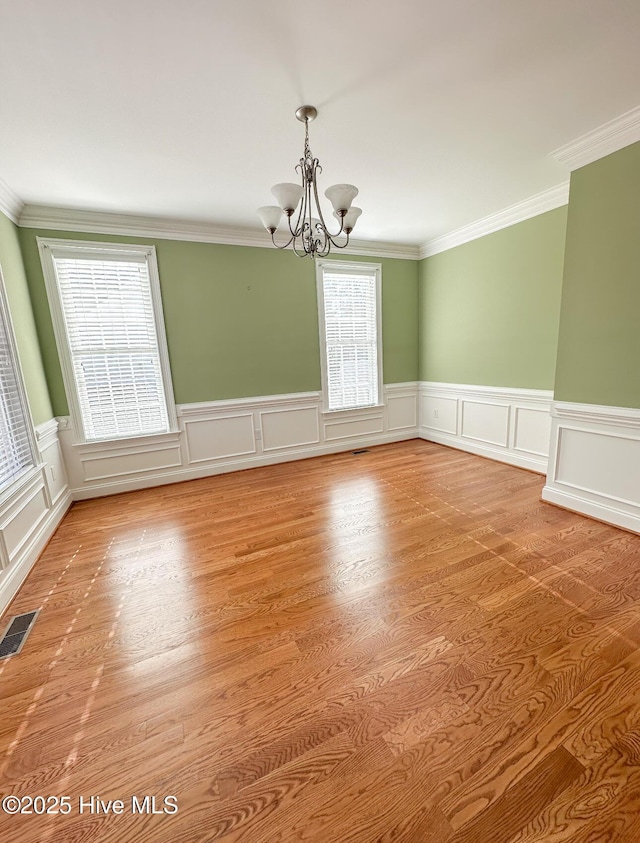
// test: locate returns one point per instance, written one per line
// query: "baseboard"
(21, 565)
(501, 423)
(538, 465)
(594, 464)
(599, 511)
(132, 484)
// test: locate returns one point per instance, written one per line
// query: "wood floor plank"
(405, 645)
(522, 801)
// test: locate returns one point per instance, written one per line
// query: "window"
(350, 334)
(16, 443)
(105, 300)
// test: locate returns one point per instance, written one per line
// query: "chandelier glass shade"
(308, 233)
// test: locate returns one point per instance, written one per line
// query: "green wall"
(497, 311)
(489, 309)
(400, 317)
(23, 323)
(240, 321)
(599, 341)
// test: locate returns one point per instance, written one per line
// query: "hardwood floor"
(404, 645)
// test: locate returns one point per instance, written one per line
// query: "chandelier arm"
(328, 234)
(298, 240)
(296, 230)
(273, 240)
(326, 249)
(302, 254)
(340, 245)
(326, 245)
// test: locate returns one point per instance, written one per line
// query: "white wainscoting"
(594, 464)
(220, 436)
(510, 425)
(30, 511)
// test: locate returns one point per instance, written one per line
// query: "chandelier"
(309, 233)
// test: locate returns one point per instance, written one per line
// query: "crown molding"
(608, 138)
(10, 203)
(130, 225)
(381, 249)
(548, 200)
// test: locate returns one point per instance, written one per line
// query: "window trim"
(47, 248)
(29, 470)
(348, 266)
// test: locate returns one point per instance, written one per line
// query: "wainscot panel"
(594, 466)
(224, 436)
(219, 436)
(30, 511)
(509, 425)
(485, 421)
(402, 410)
(289, 427)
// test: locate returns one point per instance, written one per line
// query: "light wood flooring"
(405, 645)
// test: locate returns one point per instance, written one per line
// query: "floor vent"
(361, 451)
(16, 633)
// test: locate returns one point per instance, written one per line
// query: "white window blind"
(15, 445)
(108, 312)
(350, 302)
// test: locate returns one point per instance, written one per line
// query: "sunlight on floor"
(357, 547)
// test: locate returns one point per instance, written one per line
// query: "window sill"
(127, 442)
(350, 410)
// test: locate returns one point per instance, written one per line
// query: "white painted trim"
(594, 463)
(336, 415)
(600, 510)
(503, 440)
(11, 205)
(14, 355)
(136, 225)
(208, 443)
(205, 408)
(610, 137)
(501, 392)
(532, 463)
(406, 386)
(131, 444)
(547, 200)
(46, 435)
(34, 544)
(24, 481)
(193, 418)
(43, 493)
(597, 413)
(47, 248)
(224, 467)
(314, 439)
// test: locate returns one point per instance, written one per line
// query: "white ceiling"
(442, 113)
